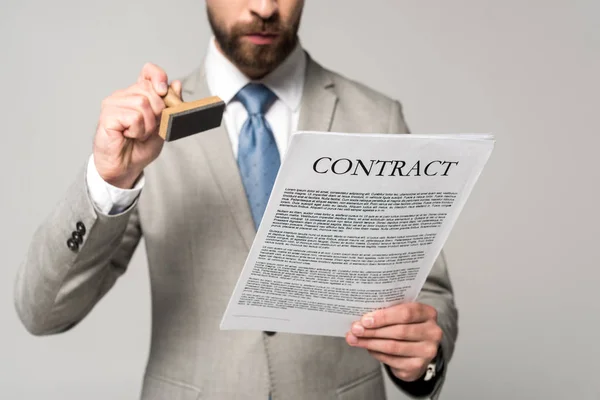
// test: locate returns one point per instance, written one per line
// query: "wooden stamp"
(181, 119)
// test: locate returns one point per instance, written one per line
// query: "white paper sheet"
(354, 223)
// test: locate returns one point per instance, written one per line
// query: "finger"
(125, 120)
(407, 313)
(406, 368)
(426, 350)
(140, 104)
(144, 88)
(157, 76)
(408, 332)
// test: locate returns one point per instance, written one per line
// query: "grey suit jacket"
(197, 226)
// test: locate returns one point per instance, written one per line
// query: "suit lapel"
(216, 147)
(318, 99)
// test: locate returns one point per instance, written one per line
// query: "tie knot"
(256, 98)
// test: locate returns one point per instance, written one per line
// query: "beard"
(249, 56)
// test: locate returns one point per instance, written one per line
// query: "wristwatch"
(435, 367)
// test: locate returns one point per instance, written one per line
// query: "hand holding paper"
(406, 337)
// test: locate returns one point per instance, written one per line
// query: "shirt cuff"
(109, 199)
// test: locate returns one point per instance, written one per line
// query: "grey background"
(523, 254)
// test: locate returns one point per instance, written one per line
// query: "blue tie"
(258, 157)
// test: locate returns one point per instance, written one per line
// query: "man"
(194, 205)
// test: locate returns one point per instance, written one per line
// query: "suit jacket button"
(81, 228)
(77, 237)
(73, 245)
(269, 333)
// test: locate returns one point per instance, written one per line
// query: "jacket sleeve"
(58, 284)
(436, 292)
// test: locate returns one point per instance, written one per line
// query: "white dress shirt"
(224, 80)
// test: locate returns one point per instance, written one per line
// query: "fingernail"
(367, 321)
(358, 330)
(352, 339)
(161, 87)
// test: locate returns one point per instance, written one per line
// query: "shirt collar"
(286, 81)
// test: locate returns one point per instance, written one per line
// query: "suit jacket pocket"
(159, 388)
(369, 386)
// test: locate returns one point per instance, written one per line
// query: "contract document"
(354, 223)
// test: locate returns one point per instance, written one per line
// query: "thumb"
(176, 85)
(157, 76)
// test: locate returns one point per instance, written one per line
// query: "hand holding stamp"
(129, 138)
(182, 119)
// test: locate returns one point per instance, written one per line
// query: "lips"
(261, 38)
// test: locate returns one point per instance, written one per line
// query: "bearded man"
(194, 202)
